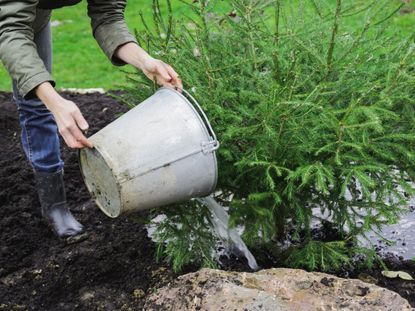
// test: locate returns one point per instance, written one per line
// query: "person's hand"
(161, 73)
(154, 69)
(67, 115)
(71, 123)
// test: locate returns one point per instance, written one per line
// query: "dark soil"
(113, 267)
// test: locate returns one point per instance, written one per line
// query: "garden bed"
(113, 266)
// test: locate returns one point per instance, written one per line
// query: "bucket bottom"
(106, 190)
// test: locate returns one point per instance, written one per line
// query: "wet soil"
(113, 266)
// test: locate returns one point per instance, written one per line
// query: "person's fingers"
(69, 139)
(80, 120)
(173, 74)
(179, 84)
(176, 81)
(85, 142)
(81, 123)
(81, 140)
(70, 123)
(162, 74)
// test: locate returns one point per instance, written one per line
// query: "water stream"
(220, 221)
(229, 237)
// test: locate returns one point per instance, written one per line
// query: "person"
(25, 51)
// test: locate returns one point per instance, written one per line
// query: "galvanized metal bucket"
(160, 152)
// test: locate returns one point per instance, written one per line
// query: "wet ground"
(397, 239)
(400, 236)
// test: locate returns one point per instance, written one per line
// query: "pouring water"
(220, 221)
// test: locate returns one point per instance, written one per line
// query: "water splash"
(220, 221)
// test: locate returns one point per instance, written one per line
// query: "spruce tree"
(311, 111)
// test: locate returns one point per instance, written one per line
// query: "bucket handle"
(214, 144)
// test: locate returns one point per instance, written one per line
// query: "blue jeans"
(39, 135)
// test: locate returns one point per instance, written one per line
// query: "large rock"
(274, 289)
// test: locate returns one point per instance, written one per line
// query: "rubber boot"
(51, 191)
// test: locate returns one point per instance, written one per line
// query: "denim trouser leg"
(39, 136)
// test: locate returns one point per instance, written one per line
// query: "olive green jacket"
(21, 19)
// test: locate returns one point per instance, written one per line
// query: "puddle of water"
(401, 234)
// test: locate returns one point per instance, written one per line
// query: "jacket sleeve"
(108, 26)
(18, 51)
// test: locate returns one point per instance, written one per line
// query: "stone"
(83, 91)
(87, 296)
(273, 289)
(138, 293)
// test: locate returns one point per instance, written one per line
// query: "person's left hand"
(161, 73)
(155, 69)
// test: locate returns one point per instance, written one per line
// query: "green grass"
(78, 62)
(77, 59)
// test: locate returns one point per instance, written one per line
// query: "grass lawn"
(78, 61)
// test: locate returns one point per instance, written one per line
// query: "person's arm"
(120, 46)
(18, 51)
(108, 26)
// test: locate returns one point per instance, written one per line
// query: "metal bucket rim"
(204, 122)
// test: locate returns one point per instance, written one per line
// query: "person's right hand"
(67, 115)
(71, 123)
